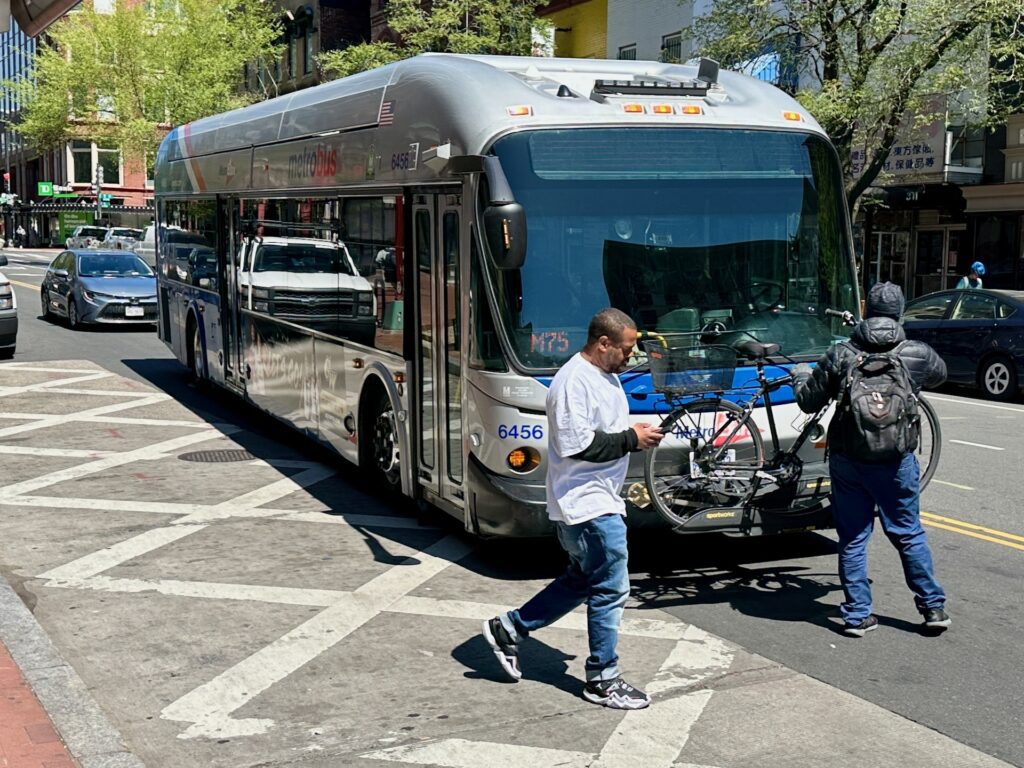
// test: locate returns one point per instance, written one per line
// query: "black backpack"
(879, 407)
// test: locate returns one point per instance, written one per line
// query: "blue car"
(87, 286)
(979, 334)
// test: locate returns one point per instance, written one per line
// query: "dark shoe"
(936, 618)
(504, 647)
(617, 694)
(861, 628)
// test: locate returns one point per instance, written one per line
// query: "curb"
(89, 736)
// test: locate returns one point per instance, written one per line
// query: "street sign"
(45, 188)
(106, 197)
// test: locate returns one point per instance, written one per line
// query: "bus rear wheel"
(378, 440)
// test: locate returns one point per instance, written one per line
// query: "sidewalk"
(27, 737)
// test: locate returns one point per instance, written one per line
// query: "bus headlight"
(523, 459)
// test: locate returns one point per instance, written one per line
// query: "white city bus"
(490, 205)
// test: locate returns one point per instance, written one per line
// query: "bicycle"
(712, 460)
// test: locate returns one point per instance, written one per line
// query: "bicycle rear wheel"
(929, 445)
(708, 458)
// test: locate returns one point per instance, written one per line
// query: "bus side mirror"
(504, 220)
(505, 232)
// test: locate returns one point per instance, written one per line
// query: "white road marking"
(250, 502)
(101, 465)
(460, 753)
(54, 420)
(68, 453)
(122, 552)
(978, 445)
(205, 590)
(953, 485)
(104, 505)
(55, 383)
(209, 707)
(974, 403)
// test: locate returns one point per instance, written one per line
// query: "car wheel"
(44, 296)
(997, 379)
(74, 320)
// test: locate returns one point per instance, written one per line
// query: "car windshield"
(125, 233)
(740, 232)
(92, 232)
(113, 265)
(307, 258)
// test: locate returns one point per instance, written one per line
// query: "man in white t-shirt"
(589, 442)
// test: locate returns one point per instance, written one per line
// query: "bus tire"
(379, 453)
(195, 350)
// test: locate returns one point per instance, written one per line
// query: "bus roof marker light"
(691, 109)
(520, 110)
(633, 108)
(794, 116)
(662, 109)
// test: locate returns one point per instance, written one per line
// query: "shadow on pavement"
(540, 662)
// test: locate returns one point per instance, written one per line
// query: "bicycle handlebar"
(845, 315)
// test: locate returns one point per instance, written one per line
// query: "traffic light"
(97, 182)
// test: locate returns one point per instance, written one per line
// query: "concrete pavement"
(268, 611)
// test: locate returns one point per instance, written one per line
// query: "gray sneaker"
(505, 648)
(616, 694)
(861, 628)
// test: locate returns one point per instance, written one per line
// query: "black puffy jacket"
(813, 389)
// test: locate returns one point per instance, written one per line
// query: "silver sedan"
(88, 286)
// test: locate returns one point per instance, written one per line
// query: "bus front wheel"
(378, 442)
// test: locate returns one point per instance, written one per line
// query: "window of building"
(1020, 135)
(1017, 170)
(968, 146)
(85, 156)
(307, 52)
(293, 48)
(628, 52)
(671, 47)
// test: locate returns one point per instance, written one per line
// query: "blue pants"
(597, 575)
(857, 488)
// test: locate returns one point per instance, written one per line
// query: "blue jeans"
(857, 488)
(597, 575)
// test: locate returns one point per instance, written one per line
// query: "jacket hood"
(877, 334)
(885, 300)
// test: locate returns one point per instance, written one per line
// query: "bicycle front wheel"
(929, 444)
(708, 458)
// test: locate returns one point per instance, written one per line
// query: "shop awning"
(993, 198)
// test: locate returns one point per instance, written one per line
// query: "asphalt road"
(774, 597)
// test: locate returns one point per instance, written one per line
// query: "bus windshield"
(738, 232)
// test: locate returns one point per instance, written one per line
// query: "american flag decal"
(387, 114)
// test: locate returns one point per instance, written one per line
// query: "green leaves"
(449, 26)
(121, 76)
(867, 68)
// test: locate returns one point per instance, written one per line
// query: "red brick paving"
(27, 737)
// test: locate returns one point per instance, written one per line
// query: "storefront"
(995, 214)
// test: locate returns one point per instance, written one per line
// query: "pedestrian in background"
(973, 277)
(879, 470)
(589, 442)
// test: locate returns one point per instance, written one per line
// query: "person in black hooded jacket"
(859, 485)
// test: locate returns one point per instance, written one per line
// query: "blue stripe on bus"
(643, 399)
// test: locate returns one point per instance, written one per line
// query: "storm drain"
(217, 457)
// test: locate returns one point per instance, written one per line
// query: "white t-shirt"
(584, 399)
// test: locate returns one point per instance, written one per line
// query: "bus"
(397, 262)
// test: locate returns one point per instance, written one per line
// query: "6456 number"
(521, 431)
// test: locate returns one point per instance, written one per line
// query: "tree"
(866, 65)
(118, 78)
(448, 26)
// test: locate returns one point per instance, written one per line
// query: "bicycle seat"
(755, 350)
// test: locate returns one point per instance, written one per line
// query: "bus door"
(437, 227)
(229, 259)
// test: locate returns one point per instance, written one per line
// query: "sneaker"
(617, 694)
(861, 628)
(504, 647)
(936, 618)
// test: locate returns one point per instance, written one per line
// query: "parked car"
(93, 286)
(8, 315)
(145, 245)
(979, 333)
(86, 237)
(121, 238)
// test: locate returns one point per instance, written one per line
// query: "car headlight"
(6, 297)
(92, 296)
(364, 305)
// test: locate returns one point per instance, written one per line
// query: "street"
(231, 595)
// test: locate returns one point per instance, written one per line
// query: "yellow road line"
(930, 516)
(24, 285)
(963, 532)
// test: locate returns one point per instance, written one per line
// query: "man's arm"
(813, 388)
(609, 446)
